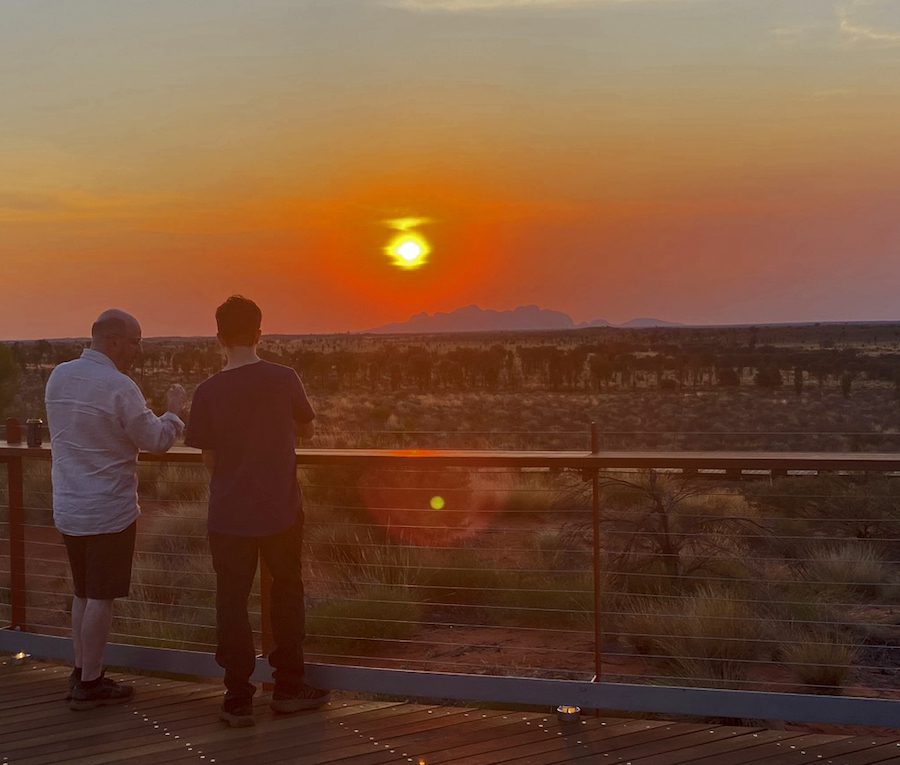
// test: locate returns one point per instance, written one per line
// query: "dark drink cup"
(13, 431)
(33, 431)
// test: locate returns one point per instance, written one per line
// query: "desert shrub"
(822, 658)
(674, 531)
(848, 571)
(828, 506)
(527, 497)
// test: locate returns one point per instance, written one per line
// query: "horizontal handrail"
(884, 462)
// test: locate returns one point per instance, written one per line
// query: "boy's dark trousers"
(235, 561)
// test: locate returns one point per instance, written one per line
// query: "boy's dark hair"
(238, 320)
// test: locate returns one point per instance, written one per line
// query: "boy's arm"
(304, 414)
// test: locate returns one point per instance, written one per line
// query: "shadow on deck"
(175, 721)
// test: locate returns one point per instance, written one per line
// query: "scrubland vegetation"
(728, 388)
(788, 583)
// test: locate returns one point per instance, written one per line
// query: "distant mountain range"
(471, 318)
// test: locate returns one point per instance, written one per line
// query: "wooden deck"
(175, 722)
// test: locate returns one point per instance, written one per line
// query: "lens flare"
(437, 503)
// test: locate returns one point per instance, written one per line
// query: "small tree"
(673, 523)
(846, 384)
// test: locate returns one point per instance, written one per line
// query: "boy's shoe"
(238, 713)
(306, 698)
(104, 693)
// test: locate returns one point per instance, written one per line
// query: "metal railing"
(727, 584)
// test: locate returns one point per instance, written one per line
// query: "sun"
(408, 250)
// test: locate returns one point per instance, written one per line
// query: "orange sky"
(702, 161)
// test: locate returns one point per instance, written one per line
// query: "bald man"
(99, 421)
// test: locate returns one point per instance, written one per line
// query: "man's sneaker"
(104, 693)
(306, 698)
(74, 677)
(238, 713)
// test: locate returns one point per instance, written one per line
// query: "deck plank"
(857, 749)
(333, 740)
(706, 751)
(224, 744)
(176, 721)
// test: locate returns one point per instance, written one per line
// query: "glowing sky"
(708, 161)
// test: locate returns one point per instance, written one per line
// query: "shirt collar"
(97, 357)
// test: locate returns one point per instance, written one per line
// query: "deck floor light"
(567, 713)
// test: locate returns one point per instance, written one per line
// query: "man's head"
(118, 335)
(238, 320)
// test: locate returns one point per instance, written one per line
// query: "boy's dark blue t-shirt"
(247, 416)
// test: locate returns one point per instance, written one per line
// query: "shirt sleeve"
(199, 430)
(145, 430)
(300, 406)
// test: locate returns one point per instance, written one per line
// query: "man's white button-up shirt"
(98, 422)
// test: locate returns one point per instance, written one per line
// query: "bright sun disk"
(408, 250)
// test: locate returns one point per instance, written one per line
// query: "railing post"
(595, 513)
(17, 585)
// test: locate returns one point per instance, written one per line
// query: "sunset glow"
(700, 161)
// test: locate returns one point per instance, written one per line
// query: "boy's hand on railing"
(176, 398)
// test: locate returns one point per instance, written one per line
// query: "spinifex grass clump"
(848, 572)
(709, 638)
(820, 657)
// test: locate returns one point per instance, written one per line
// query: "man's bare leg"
(78, 606)
(96, 621)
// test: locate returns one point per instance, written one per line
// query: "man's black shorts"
(101, 563)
